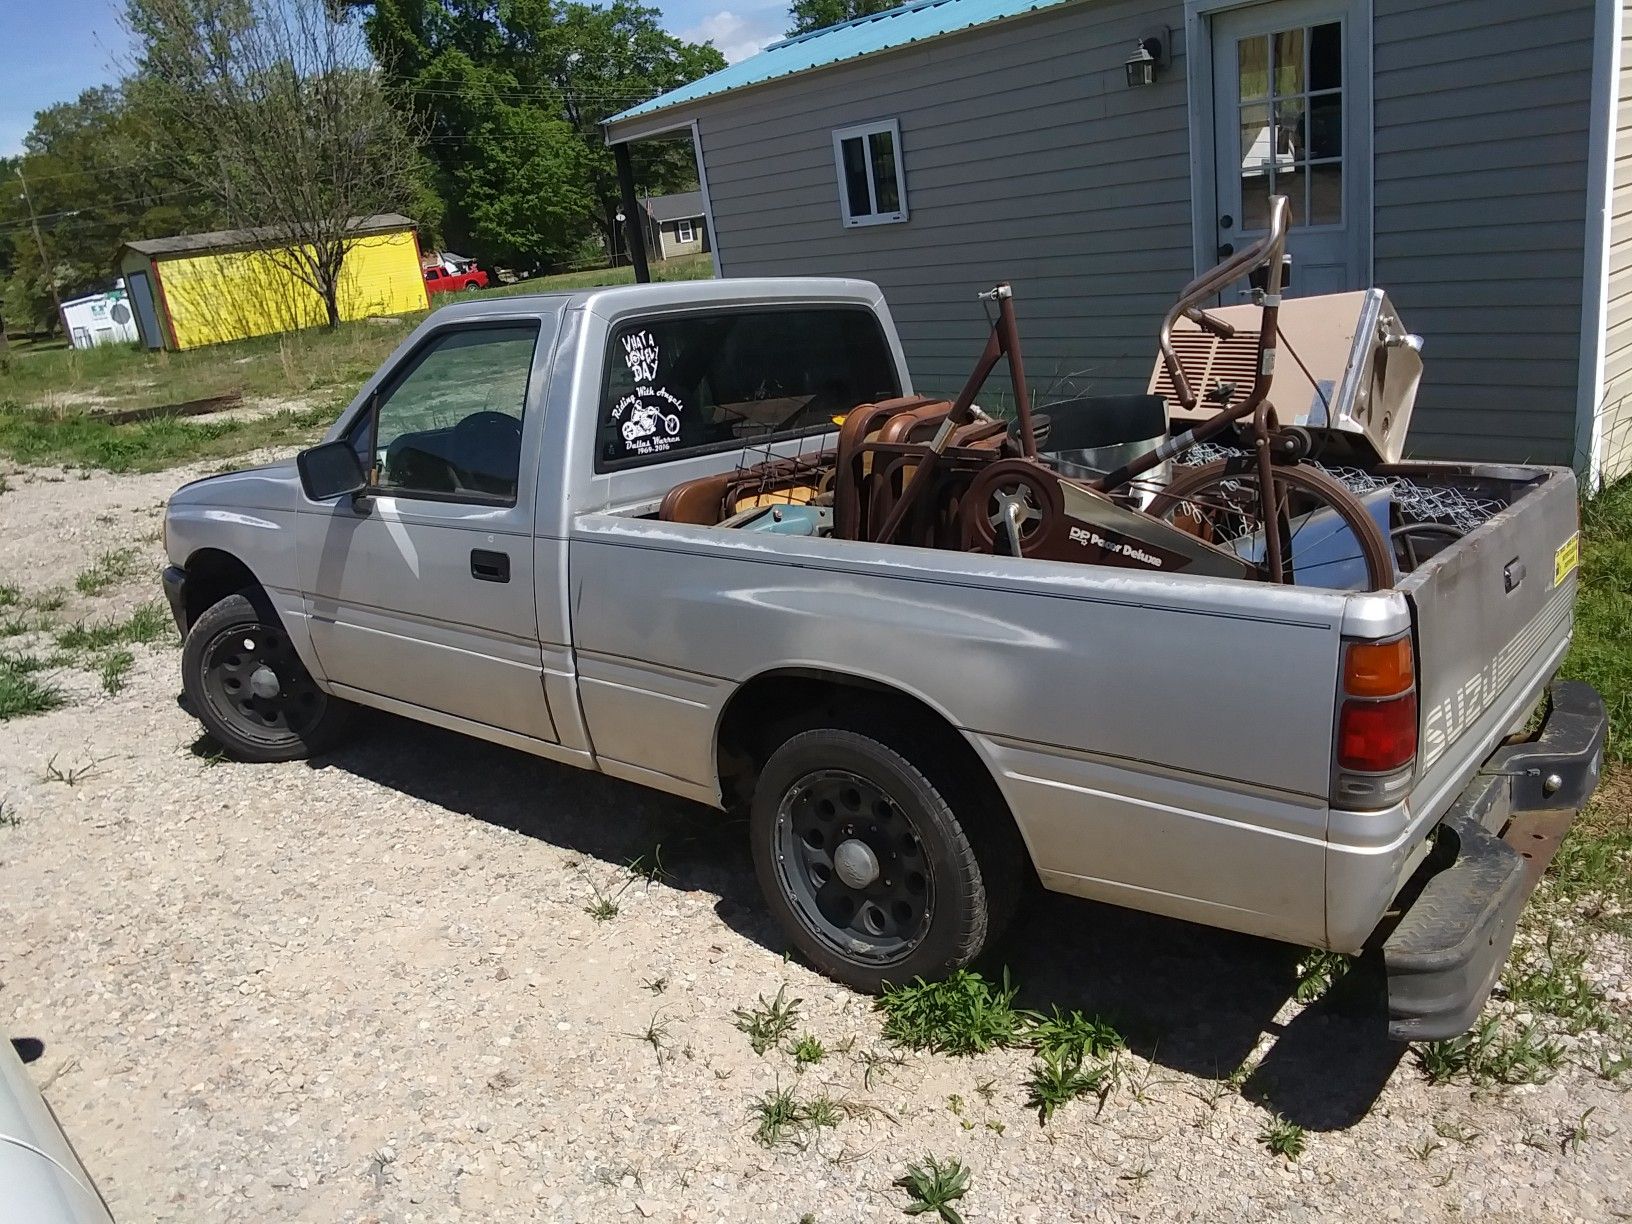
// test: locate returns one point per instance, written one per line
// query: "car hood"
(276, 486)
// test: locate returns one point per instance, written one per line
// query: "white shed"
(100, 318)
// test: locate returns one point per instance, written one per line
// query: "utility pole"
(39, 243)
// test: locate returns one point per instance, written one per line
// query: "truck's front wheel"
(249, 688)
(865, 863)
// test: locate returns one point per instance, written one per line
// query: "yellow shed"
(197, 289)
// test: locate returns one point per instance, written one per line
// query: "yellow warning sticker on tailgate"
(1566, 558)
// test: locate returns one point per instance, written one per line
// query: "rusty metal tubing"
(1271, 248)
(963, 410)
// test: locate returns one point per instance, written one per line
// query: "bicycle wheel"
(1221, 502)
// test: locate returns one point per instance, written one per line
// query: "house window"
(872, 187)
(683, 231)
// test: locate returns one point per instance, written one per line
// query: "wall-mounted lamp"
(1149, 54)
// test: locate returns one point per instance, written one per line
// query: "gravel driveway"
(370, 989)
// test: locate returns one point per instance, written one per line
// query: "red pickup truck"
(439, 280)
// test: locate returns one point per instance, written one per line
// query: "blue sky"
(62, 47)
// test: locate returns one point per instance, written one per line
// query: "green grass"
(1058, 1077)
(109, 569)
(151, 622)
(808, 1051)
(779, 1116)
(113, 668)
(77, 440)
(768, 1022)
(1284, 1138)
(46, 392)
(1492, 1054)
(963, 1014)
(934, 1185)
(1603, 611)
(21, 689)
(680, 268)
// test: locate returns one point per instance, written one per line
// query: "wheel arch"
(773, 705)
(212, 575)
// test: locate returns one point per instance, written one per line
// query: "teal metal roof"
(897, 27)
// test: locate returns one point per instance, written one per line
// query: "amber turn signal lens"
(1378, 669)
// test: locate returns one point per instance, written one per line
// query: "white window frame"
(864, 130)
(683, 231)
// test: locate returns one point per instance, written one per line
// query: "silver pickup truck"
(482, 542)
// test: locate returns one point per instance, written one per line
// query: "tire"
(248, 687)
(933, 902)
(1220, 501)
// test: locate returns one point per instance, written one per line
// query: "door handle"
(1226, 249)
(488, 566)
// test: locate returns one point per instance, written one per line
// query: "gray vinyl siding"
(1481, 151)
(1615, 405)
(1026, 158)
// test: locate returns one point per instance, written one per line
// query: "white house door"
(1291, 109)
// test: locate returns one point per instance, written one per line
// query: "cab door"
(421, 591)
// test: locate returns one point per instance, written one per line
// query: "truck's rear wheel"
(249, 688)
(865, 863)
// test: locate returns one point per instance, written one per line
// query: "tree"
(100, 172)
(512, 96)
(811, 15)
(294, 131)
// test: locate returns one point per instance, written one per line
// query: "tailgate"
(1492, 607)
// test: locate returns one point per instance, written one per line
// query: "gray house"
(1474, 157)
(675, 224)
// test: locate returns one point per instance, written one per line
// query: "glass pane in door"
(1290, 98)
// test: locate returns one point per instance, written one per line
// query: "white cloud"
(737, 37)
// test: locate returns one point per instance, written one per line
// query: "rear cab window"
(682, 385)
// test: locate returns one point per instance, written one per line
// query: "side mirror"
(329, 470)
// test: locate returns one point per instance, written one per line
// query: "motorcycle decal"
(648, 418)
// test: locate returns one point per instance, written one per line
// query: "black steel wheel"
(853, 865)
(250, 689)
(865, 864)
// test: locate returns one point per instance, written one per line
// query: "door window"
(450, 428)
(1290, 107)
(679, 386)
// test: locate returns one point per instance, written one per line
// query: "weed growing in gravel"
(1058, 1078)
(648, 867)
(1073, 1035)
(964, 1014)
(934, 1185)
(822, 1113)
(149, 623)
(1612, 1066)
(1492, 1055)
(1552, 979)
(1318, 971)
(8, 818)
(1576, 1133)
(112, 669)
(778, 1115)
(808, 1051)
(21, 689)
(768, 1023)
(74, 774)
(656, 1035)
(109, 569)
(877, 1064)
(603, 908)
(656, 985)
(1456, 1131)
(1284, 1138)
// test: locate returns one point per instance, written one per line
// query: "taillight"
(1376, 724)
(1377, 736)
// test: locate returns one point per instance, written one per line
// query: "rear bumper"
(175, 591)
(1450, 943)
